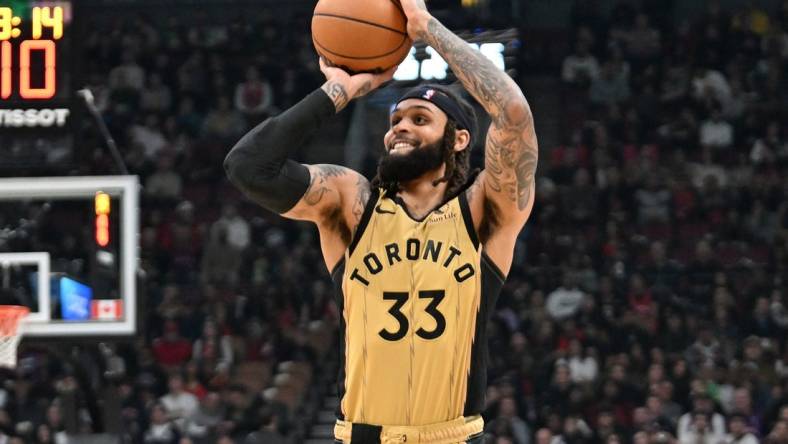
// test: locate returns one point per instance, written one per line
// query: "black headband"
(445, 102)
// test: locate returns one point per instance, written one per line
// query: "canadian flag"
(106, 309)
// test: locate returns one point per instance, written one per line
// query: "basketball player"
(419, 255)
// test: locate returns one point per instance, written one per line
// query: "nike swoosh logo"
(382, 211)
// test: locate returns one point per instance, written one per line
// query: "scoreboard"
(36, 95)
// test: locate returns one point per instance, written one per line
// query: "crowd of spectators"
(646, 302)
(235, 317)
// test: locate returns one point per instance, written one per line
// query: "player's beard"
(399, 168)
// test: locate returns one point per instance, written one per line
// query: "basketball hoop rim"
(10, 315)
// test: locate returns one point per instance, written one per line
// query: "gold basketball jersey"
(415, 297)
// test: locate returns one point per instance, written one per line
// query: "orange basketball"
(360, 36)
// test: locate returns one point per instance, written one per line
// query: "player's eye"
(395, 120)
(420, 120)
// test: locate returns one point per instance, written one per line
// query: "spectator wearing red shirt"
(642, 303)
(254, 97)
(171, 350)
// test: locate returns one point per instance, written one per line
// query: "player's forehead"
(416, 104)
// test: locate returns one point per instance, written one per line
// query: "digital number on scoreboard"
(37, 67)
(34, 51)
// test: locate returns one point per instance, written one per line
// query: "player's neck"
(420, 195)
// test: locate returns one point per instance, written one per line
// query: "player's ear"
(461, 139)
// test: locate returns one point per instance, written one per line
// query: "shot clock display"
(35, 76)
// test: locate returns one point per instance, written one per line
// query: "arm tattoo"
(362, 197)
(525, 170)
(337, 94)
(318, 186)
(365, 88)
(511, 150)
(493, 88)
(332, 212)
(510, 164)
(470, 193)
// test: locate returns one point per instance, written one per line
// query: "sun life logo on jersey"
(441, 214)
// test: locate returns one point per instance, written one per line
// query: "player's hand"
(418, 17)
(343, 87)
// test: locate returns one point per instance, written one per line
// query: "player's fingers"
(389, 74)
(326, 67)
(385, 76)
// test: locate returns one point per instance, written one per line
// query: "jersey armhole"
(466, 217)
(487, 261)
(362, 224)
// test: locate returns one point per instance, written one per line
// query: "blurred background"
(647, 299)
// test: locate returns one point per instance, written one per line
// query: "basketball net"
(10, 316)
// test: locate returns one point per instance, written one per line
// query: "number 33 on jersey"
(414, 296)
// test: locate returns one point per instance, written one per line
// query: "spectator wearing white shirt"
(206, 419)
(238, 232)
(161, 430)
(700, 431)
(738, 431)
(709, 85)
(128, 75)
(580, 68)
(642, 42)
(653, 201)
(164, 183)
(702, 404)
(565, 301)
(716, 134)
(583, 367)
(149, 136)
(178, 403)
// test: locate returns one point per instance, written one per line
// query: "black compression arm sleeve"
(258, 164)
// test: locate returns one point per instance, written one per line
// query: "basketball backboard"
(69, 252)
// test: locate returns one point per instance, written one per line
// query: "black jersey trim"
(362, 224)
(497, 271)
(466, 216)
(461, 192)
(339, 296)
(336, 268)
(398, 200)
(477, 374)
